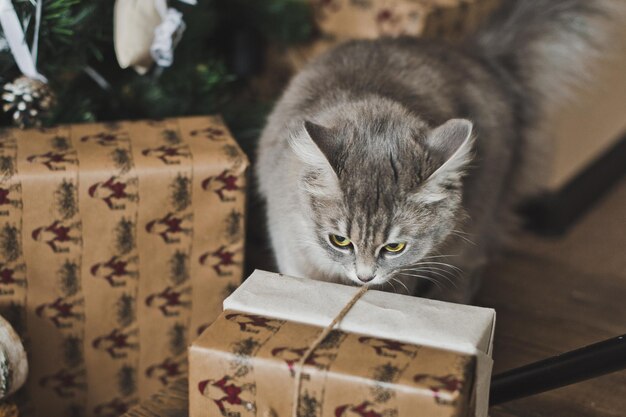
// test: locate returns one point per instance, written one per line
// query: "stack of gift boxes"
(118, 244)
(119, 241)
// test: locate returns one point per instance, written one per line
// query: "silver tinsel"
(27, 100)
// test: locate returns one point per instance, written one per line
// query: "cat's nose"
(366, 278)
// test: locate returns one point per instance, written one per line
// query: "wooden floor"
(550, 296)
(556, 295)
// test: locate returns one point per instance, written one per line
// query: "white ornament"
(145, 32)
(133, 30)
(13, 362)
(166, 37)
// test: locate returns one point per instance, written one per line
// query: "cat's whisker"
(471, 242)
(392, 286)
(430, 262)
(452, 272)
(404, 285)
(447, 278)
(462, 232)
(434, 281)
(438, 256)
(450, 277)
(451, 281)
(434, 263)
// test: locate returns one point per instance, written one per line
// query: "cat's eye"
(340, 241)
(394, 247)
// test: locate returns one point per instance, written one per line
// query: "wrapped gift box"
(390, 355)
(342, 20)
(118, 243)
(356, 19)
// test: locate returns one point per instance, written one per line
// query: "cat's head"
(382, 189)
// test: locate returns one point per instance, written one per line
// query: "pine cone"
(29, 100)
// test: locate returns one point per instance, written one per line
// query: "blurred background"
(233, 57)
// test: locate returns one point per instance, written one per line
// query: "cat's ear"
(452, 143)
(317, 148)
(324, 139)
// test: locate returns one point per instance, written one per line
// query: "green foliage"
(284, 21)
(211, 66)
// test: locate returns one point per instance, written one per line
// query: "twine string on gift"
(325, 332)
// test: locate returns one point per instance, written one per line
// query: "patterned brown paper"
(118, 243)
(243, 365)
(349, 19)
(341, 20)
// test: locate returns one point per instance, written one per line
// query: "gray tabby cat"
(402, 160)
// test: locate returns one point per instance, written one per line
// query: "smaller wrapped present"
(337, 21)
(9, 410)
(389, 355)
(353, 19)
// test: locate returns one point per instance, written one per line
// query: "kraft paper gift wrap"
(391, 355)
(356, 19)
(337, 21)
(118, 243)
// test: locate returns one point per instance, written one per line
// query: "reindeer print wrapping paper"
(243, 365)
(118, 243)
(391, 355)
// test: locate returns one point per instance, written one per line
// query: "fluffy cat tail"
(547, 47)
(545, 51)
